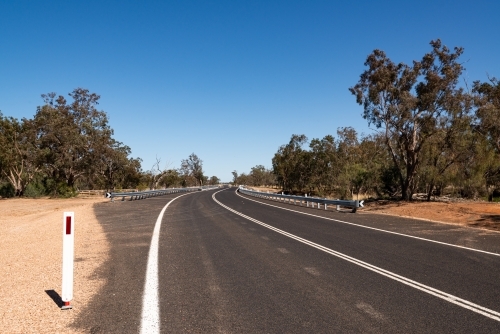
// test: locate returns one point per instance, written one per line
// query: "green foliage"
(390, 185)
(171, 179)
(258, 176)
(412, 104)
(35, 190)
(192, 170)
(214, 180)
(65, 191)
(7, 190)
(66, 144)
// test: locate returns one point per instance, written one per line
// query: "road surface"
(228, 263)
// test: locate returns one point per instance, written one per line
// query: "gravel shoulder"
(31, 259)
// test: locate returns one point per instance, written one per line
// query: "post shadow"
(55, 297)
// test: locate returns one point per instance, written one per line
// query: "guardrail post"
(356, 204)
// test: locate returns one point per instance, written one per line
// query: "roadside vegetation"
(435, 134)
(69, 146)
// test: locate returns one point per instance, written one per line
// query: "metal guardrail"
(134, 195)
(354, 205)
(102, 192)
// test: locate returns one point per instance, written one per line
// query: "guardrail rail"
(135, 195)
(354, 205)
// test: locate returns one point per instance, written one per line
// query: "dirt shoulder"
(473, 214)
(31, 259)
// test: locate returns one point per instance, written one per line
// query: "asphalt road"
(263, 269)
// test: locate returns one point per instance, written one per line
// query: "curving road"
(227, 263)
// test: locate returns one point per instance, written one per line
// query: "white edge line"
(150, 318)
(374, 228)
(422, 287)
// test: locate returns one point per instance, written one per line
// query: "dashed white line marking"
(414, 284)
(283, 250)
(150, 318)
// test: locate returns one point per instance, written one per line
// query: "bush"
(63, 190)
(390, 182)
(58, 189)
(7, 190)
(35, 190)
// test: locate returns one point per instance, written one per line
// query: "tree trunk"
(429, 193)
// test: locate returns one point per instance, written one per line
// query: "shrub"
(7, 190)
(35, 190)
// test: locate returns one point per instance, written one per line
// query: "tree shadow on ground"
(487, 221)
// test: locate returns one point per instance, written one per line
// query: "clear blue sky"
(228, 80)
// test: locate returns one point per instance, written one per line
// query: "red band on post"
(68, 225)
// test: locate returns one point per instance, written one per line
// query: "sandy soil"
(31, 259)
(465, 213)
(31, 253)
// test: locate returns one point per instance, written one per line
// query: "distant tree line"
(69, 145)
(190, 174)
(258, 176)
(433, 134)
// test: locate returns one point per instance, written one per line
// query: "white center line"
(414, 284)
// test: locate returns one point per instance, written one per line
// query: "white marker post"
(68, 258)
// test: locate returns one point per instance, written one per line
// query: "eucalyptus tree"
(193, 167)
(71, 134)
(373, 161)
(112, 163)
(287, 162)
(407, 101)
(130, 174)
(487, 101)
(171, 178)
(451, 144)
(235, 177)
(348, 160)
(214, 180)
(325, 169)
(20, 153)
(257, 175)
